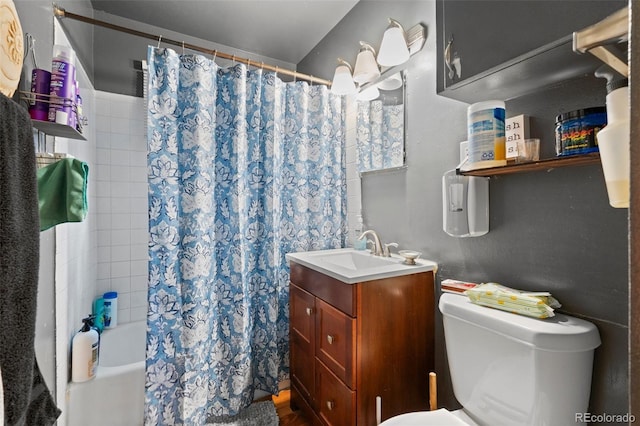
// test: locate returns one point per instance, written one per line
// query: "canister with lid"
(576, 131)
(486, 135)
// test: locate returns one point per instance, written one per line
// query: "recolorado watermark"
(604, 418)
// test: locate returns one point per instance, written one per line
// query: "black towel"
(26, 397)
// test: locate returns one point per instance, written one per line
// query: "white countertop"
(353, 266)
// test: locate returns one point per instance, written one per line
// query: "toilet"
(508, 369)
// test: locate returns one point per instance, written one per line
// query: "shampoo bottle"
(98, 314)
(613, 140)
(84, 353)
(110, 300)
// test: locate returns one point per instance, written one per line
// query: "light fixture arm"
(347, 64)
(394, 23)
(366, 46)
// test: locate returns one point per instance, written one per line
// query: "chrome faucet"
(379, 249)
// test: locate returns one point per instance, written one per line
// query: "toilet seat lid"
(440, 417)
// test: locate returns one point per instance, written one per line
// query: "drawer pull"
(330, 405)
(330, 339)
(309, 311)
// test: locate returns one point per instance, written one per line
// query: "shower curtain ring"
(262, 65)
(311, 80)
(183, 47)
(233, 58)
(215, 53)
(159, 40)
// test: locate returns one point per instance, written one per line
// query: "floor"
(286, 416)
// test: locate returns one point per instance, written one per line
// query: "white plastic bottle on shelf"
(110, 299)
(62, 85)
(613, 139)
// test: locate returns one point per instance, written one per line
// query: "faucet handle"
(372, 250)
(387, 249)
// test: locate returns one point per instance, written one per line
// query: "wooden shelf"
(57, 129)
(546, 164)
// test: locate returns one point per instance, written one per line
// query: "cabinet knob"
(330, 339)
(330, 405)
(309, 311)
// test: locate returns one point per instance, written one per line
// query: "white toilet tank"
(509, 369)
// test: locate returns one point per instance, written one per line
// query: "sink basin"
(353, 266)
(356, 261)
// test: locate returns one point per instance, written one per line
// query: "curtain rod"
(59, 12)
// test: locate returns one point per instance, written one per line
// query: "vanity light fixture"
(396, 48)
(366, 68)
(369, 94)
(393, 48)
(342, 80)
(392, 82)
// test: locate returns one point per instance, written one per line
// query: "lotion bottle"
(84, 353)
(613, 139)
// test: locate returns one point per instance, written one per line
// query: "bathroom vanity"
(368, 335)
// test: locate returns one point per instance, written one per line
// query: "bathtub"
(115, 397)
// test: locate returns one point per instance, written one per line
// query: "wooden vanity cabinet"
(350, 343)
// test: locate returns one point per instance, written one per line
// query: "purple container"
(39, 105)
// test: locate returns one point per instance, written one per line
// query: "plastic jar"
(576, 131)
(486, 137)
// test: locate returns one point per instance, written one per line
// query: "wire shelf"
(44, 159)
(53, 128)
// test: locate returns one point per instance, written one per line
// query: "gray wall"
(548, 230)
(118, 55)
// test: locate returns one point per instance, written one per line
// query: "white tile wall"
(121, 202)
(75, 250)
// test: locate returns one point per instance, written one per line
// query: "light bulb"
(391, 83)
(369, 94)
(366, 68)
(342, 81)
(393, 49)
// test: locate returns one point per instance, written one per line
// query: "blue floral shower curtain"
(380, 135)
(243, 168)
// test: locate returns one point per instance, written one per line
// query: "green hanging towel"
(62, 192)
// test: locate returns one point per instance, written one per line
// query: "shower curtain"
(380, 135)
(243, 168)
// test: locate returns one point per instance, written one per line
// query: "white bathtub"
(115, 397)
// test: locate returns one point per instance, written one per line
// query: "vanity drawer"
(302, 340)
(335, 402)
(332, 291)
(335, 342)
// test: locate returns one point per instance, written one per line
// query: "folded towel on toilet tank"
(533, 304)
